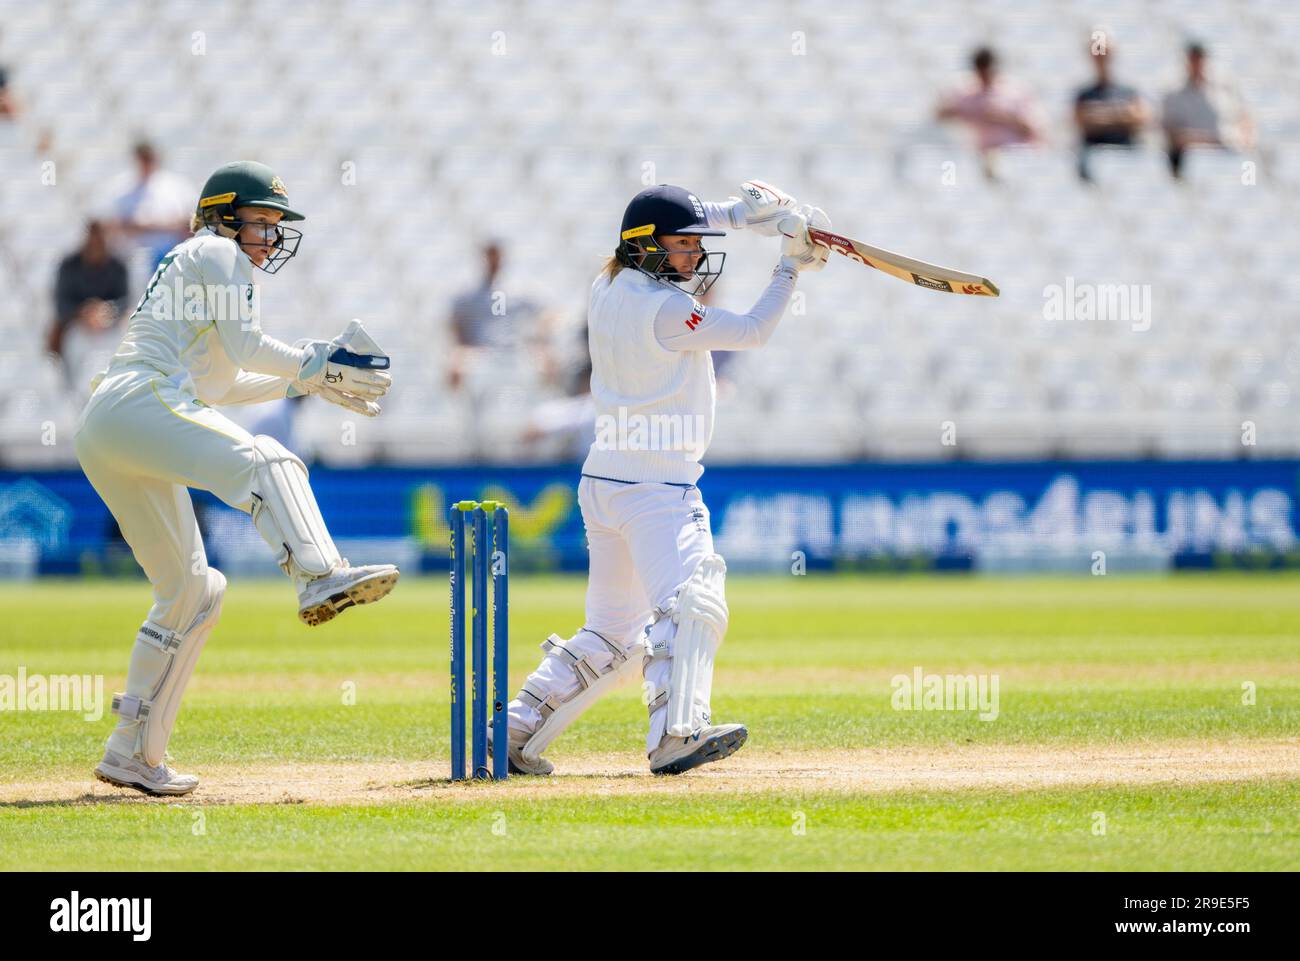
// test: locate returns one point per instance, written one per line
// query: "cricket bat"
(917, 272)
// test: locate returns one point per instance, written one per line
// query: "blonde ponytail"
(611, 267)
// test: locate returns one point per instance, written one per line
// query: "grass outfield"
(326, 748)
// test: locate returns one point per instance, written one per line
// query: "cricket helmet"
(667, 211)
(247, 183)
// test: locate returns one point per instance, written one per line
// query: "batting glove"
(797, 250)
(763, 207)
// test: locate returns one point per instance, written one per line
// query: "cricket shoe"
(133, 772)
(677, 755)
(324, 598)
(515, 756)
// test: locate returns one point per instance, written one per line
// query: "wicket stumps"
(490, 559)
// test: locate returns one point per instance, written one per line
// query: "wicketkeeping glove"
(339, 365)
(367, 407)
(350, 370)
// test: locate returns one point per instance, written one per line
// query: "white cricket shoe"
(133, 772)
(677, 755)
(515, 750)
(324, 598)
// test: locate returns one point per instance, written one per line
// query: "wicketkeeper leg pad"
(161, 664)
(286, 514)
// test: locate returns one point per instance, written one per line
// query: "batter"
(656, 598)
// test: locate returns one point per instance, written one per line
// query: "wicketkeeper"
(150, 430)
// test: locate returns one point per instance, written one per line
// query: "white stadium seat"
(535, 123)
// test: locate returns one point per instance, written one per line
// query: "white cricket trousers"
(142, 440)
(644, 541)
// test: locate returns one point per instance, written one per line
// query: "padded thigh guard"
(700, 612)
(161, 665)
(285, 512)
(559, 712)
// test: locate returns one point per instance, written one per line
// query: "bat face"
(918, 272)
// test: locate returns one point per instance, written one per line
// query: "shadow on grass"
(90, 798)
(429, 783)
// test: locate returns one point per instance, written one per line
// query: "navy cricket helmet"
(668, 211)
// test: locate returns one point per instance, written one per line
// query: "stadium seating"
(408, 132)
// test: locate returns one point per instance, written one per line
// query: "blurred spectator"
(1107, 113)
(89, 292)
(484, 317)
(998, 113)
(1204, 112)
(8, 104)
(152, 208)
(479, 317)
(275, 418)
(566, 423)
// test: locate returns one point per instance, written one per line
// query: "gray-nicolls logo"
(77, 914)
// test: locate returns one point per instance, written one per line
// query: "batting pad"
(701, 617)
